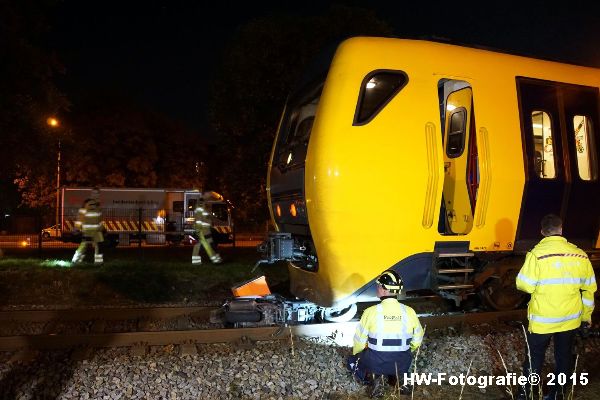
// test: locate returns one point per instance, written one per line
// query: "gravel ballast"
(295, 369)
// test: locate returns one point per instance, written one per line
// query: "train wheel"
(338, 315)
(500, 292)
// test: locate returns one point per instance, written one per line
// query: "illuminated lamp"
(293, 210)
(278, 210)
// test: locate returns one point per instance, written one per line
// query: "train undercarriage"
(457, 276)
(273, 310)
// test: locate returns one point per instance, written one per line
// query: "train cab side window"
(296, 128)
(377, 90)
(544, 163)
(585, 148)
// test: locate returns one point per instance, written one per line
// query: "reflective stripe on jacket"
(202, 218)
(388, 327)
(89, 221)
(561, 281)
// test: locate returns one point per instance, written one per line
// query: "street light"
(54, 123)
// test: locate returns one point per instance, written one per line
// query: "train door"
(545, 183)
(461, 175)
(580, 106)
(558, 130)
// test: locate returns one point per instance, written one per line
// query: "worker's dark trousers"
(563, 355)
(390, 363)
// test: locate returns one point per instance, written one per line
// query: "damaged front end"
(269, 310)
(282, 246)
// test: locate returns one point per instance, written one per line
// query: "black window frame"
(592, 150)
(558, 167)
(363, 88)
(462, 132)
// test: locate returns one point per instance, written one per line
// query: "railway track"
(340, 333)
(105, 314)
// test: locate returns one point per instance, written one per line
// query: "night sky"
(164, 53)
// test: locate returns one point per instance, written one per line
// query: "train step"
(455, 271)
(458, 286)
(454, 255)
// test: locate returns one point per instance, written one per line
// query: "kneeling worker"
(385, 336)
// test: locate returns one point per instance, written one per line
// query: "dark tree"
(28, 96)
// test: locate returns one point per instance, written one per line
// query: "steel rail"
(107, 314)
(341, 333)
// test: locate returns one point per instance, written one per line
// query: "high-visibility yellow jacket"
(202, 219)
(388, 326)
(561, 281)
(90, 221)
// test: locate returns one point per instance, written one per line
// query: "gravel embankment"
(270, 370)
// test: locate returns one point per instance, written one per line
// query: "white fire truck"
(156, 216)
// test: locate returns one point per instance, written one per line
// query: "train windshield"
(296, 128)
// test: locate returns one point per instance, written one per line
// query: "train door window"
(456, 132)
(545, 166)
(377, 90)
(461, 164)
(584, 145)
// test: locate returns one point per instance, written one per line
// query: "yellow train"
(435, 160)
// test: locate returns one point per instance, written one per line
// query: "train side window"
(456, 133)
(585, 148)
(544, 164)
(377, 90)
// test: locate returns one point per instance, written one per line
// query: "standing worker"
(202, 224)
(561, 281)
(385, 336)
(89, 222)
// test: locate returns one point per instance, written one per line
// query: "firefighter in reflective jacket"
(202, 226)
(561, 281)
(385, 336)
(89, 222)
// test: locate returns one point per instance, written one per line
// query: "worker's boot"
(196, 260)
(78, 257)
(405, 390)
(378, 388)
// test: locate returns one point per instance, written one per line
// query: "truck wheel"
(338, 315)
